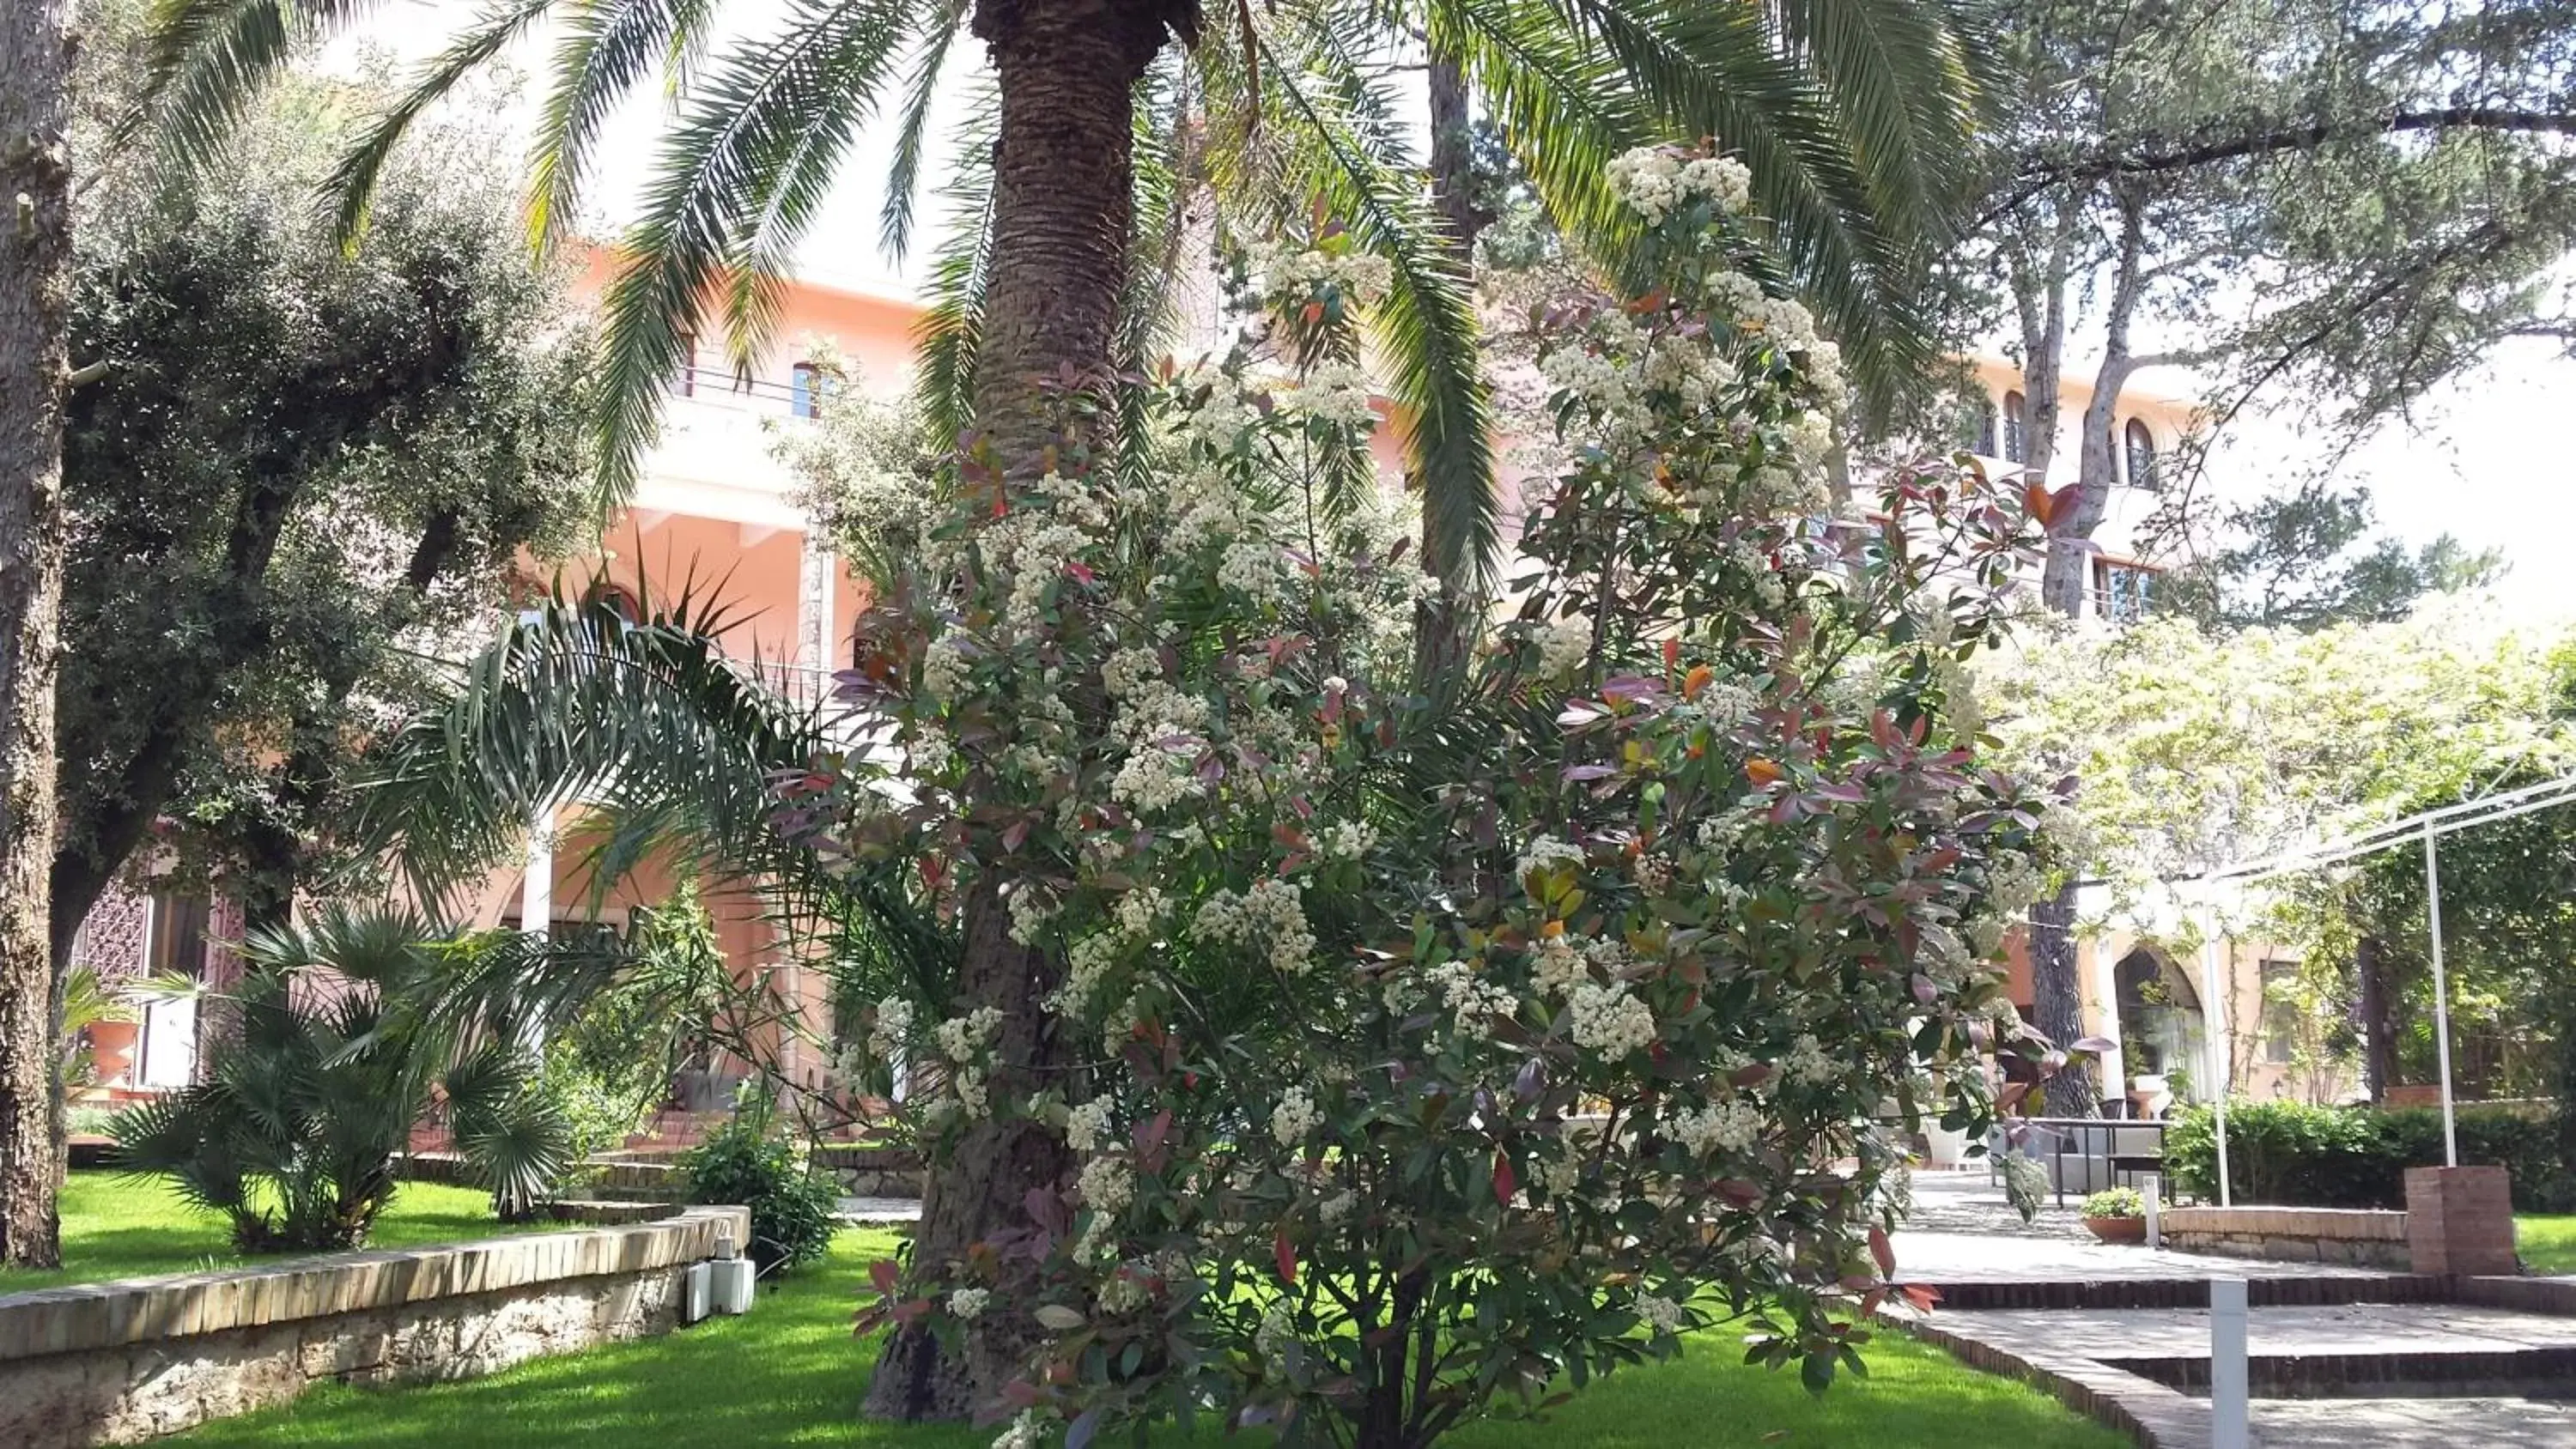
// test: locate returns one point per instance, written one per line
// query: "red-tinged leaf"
(1021, 1394)
(1753, 1075)
(1629, 688)
(884, 1274)
(1697, 680)
(1590, 772)
(1151, 1134)
(1924, 990)
(1505, 1184)
(1672, 653)
(1015, 834)
(1079, 570)
(1869, 1301)
(2009, 1095)
(1312, 313)
(1881, 1251)
(1739, 1192)
(1286, 1254)
(907, 1312)
(1578, 713)
(2035, 501)
(1921, 1295)
(868, 1322)
(1764, 772)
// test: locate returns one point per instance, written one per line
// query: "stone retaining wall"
(2362, 1237)
(118, 1363)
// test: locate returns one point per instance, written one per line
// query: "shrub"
(293, 1134)
(1436, 1054)
(2294, 1155)
(743, 1162)
(2115, 1202)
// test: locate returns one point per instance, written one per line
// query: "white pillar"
(2441, 995)
(537, 894)
(2154, 1193)
(2230, 1386)
(2215, 1055)
(817, 569)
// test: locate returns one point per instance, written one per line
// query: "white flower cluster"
(1474, 1000)
(1294, 1117)
(1332, 392)
(1278, 1329)
(2012, 884)
(963, 1038)
(1125, 1292)
(1028, 1431)
(1107, 1185)
(893, 1025)
(1345, 840)
(1087, 1125)
(1608, 1020)
(943, 668)
(1557, 965)
(1662, 1315)
(1160, 771)
(1718, 1127)
(968, 1303)
(1272, 913)
(1809, 1062)
(1655, 181)
(1563, 645)
(1288, 272)
(1546, 850)
(1030, 909)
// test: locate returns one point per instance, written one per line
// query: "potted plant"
(2117, 1215)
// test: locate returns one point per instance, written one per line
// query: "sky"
(2491, 457)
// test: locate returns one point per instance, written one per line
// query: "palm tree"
(1845, 111)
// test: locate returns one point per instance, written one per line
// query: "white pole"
(2213, 1055)
(2155, 1195)
(2230, 1409)
(2441, 995)
(537, 901)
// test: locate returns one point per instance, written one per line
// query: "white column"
(2441, 995)
(2230, 1406)
(2215, 1054)
(2154, 1193)
(537, 894)
(816, 572)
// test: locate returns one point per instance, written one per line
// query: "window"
(617, 598)
(1976, 432)
(2122, 592)
(2142, 455)
(179, 935)
(2280, 1013)
(2016, 429)
(805, 389)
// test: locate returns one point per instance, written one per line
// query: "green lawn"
(790, 1374)
(2548, 1244)
(121, 1227)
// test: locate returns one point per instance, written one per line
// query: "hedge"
(2290, 1155)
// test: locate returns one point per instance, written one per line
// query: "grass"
(2548, 1244)
(120, 1227)
(789, 1374)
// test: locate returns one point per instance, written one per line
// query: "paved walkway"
(1962, 1232)
(878, 1210)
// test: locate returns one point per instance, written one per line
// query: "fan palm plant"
(338, 1052)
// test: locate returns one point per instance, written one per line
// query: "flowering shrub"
(1454, 1045)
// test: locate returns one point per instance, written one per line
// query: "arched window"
(805, 389)
(2142, 455)
(2016, 429)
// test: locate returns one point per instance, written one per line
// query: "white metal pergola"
(2427, 829)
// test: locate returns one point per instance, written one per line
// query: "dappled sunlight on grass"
(121, 1227)
(2547, 1243)
(791, 1374)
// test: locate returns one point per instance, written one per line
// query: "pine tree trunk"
(35, 288)
(2057, 1003)
(1063, 215)
(2378, 1018)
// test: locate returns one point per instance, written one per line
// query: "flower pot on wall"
(2118, 1230)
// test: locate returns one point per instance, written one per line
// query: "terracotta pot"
(2118, 1230)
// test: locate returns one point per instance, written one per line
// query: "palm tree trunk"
(1441, 624)
(2057, 1004)
(1063, 214)
(35, 291)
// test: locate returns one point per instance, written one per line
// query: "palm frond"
(607, 49)
(950, 333)
(735, 181)
(940, 28)
(205, 61)
(1424, 331)
(352, 183)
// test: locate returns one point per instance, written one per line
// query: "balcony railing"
(722, 388)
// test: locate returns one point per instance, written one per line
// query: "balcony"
(716, 456)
